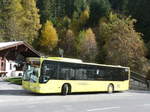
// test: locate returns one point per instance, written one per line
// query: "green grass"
(16, 80)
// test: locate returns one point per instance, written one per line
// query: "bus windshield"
(31, 73)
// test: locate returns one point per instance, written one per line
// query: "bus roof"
(71, 60)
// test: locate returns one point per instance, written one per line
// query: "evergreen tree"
(79, 6)
(69, 8)
(119, 5)
(45, 7)
(51, 9)
(139, 9)
(98, 9)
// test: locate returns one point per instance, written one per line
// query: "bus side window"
(66, 71)
(105, 74)
(99, 74)
(118, 74)
(49, 70)
(63, 73)
(91, 74)
(81, 74)
(72, 74)
(67, 74)
(125, 74)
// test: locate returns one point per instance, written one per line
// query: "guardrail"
(138, 82)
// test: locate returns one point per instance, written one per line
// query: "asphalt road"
(14, 99)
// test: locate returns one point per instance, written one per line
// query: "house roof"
(8, 45)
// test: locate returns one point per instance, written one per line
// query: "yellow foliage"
(49, 36)
(89, 34)
(17, 5)
(78, 23)
(87, 45)
(84, 16)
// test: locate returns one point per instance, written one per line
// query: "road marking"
(146, 104)
(106, 108)
(142, 105)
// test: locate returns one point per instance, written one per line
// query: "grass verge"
(16, 80)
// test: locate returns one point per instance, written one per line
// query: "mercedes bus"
(65, 76)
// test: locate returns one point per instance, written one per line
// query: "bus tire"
(65, 89)
(110, 88)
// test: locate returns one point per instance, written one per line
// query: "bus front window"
(48, 71)
(31, 73)
(45, 74)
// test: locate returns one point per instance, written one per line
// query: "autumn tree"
(121, 43)
(49, 37)
(85, 14)
(31, 20)
(79, 23)
(19, 20)
(68, 44)
(79, 6)
(86, 45)
(11, 14)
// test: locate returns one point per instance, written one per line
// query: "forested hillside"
(102, 31)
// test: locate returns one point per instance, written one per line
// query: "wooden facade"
(13, 54)
(2, 63)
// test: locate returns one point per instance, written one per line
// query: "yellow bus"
(65, 76)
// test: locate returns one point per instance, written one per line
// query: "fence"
(138, 82)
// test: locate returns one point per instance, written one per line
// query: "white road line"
(143, 105)
(106, 108)
(146, 104)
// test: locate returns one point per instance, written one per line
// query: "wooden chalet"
(13, 55)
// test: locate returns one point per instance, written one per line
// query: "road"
(14, 99)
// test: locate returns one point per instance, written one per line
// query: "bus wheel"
(110, 88)
(65, 89)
